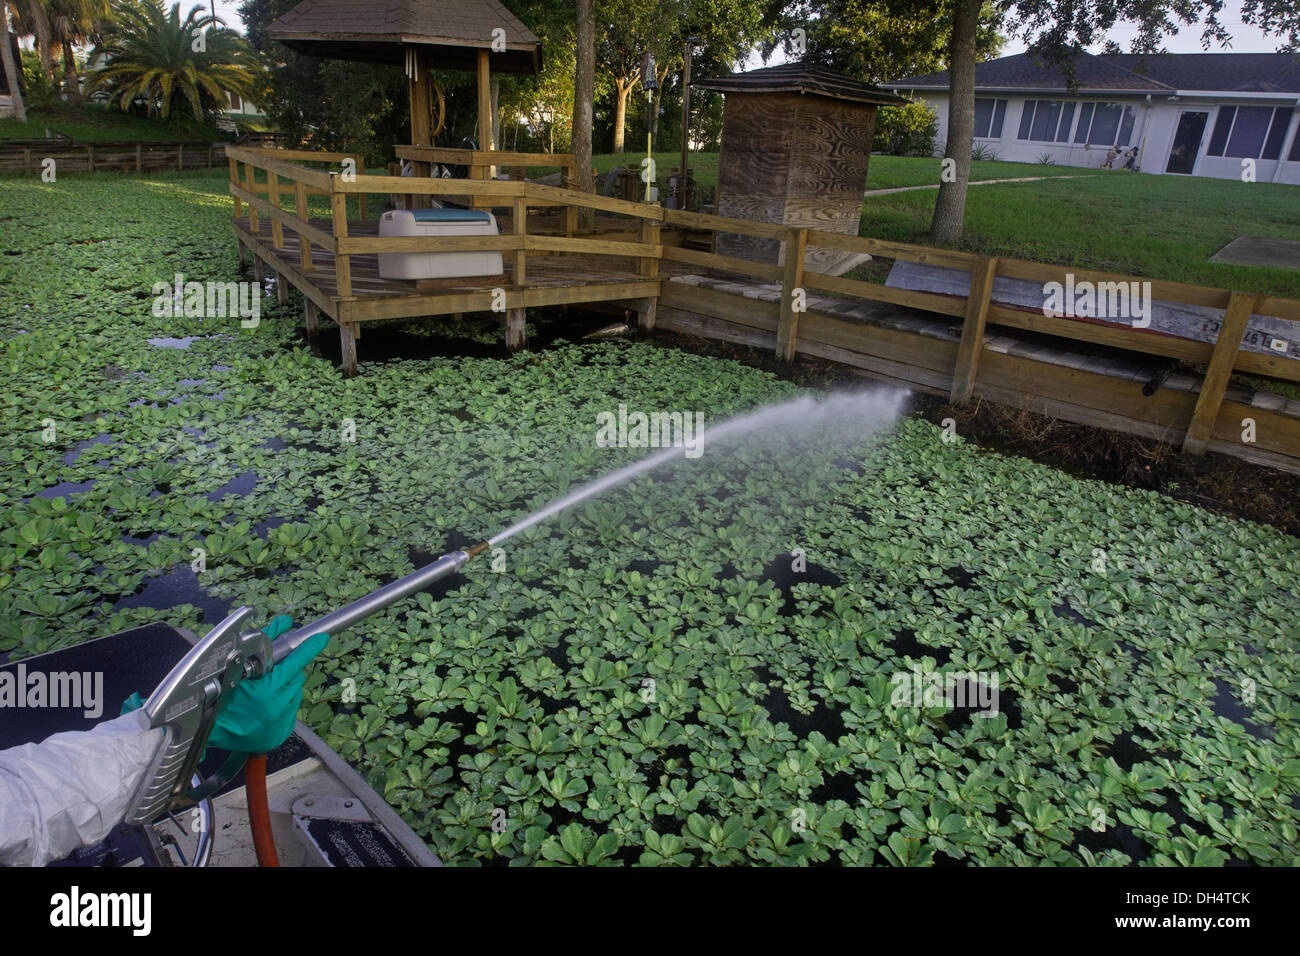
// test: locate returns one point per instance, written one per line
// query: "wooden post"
(90, 159)
(304, 244)
(484, 106)
(259, 272)
(209, 155)
(313, 323)
(243, 256)
(342, 263)
(787, 330)
(420, 87)
(281, 289)
(273, 196)
(139, 168)
(234, 180)
(1240, 308)
(250, 188)
(27, 160)
(348, 341)
(180, 156)
(972, 331)
(516, 332)
(361, 197)
(519, 224)
(648, 266)
(571, 212)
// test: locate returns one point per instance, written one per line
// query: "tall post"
(684, 180)
(484, 102)
(420, 87)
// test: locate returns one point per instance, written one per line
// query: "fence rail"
(957, 366)
(29, 157)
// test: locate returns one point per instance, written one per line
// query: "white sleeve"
(71, 789)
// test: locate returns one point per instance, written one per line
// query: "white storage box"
(438, 265)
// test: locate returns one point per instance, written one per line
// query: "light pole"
(683, 177)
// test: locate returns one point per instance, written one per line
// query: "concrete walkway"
(1260, 251)
(978, 182)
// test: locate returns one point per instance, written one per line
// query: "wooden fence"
(29, 156)
(962, 367)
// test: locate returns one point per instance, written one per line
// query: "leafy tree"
(879, 40)
(154, 55)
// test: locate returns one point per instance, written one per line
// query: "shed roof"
(805, 79)
(378, 31)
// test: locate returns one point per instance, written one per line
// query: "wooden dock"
(1105, 375)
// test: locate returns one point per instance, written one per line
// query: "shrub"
(906, 130)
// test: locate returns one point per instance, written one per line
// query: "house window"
(235, 103)
(1105, 124)
(989, 115)
(1046, 121)
(1277, 133)
(1249, 132)
(1099, 124)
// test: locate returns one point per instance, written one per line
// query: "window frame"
(997, 117)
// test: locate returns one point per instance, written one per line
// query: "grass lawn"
(645, 680)
(891, 172)
(1164, 227)
(98, 123)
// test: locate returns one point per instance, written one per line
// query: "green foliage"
(906, 130)
(151, 57)
(632, 687)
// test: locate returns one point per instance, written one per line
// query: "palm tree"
(150, 55)
(75, 23)
(10, 67)
(31, 19)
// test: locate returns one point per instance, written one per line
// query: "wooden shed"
(796, 142)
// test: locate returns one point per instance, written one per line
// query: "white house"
(1197, 114)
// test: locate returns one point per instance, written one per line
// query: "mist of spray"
(845, 418)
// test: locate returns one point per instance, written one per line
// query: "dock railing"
(795, 329)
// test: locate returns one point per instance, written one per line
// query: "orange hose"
(259, 814)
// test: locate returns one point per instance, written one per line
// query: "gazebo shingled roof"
(453, 31)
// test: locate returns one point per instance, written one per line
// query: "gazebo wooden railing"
(772, 305)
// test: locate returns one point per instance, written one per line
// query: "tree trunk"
(950, 206)
(584, 92)
(71, 83)
(10, 67)
(41, 26)
(621, 90)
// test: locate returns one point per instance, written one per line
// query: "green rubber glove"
(261, 712)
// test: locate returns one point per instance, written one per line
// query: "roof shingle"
(376, 31)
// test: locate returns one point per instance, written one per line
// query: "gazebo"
(422, 35)
(796, 142)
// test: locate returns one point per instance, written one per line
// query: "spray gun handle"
(376, 601)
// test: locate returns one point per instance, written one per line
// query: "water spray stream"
(851, 417)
